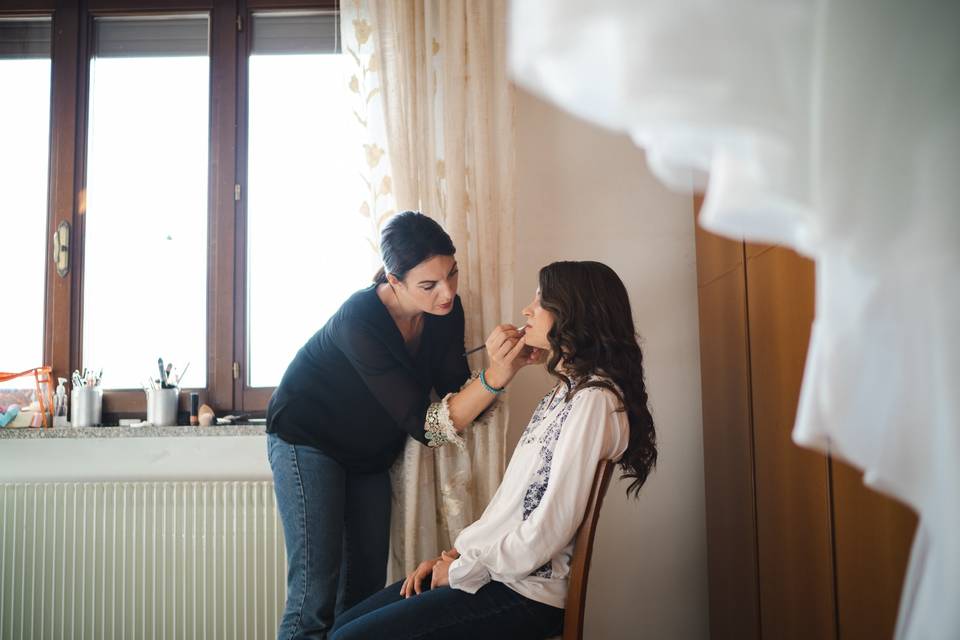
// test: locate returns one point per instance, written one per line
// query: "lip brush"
(523, 323)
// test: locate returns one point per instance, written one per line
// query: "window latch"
(61, 248)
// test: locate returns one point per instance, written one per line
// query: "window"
(24, 160)
(145, 251)
(305, 251)
(195, 148)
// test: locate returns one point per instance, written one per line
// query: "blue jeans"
(495, 611)
(336, 525)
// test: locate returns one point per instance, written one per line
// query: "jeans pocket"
(278, 450)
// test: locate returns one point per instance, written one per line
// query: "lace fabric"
(439, 425)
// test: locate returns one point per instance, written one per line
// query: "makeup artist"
(346, 405)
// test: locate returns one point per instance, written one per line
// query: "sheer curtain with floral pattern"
(432, 97)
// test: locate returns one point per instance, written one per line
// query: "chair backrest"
(582, 551)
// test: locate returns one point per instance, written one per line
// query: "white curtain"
(433, 99)
(832, 127)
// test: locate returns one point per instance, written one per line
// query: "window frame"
(230, 41)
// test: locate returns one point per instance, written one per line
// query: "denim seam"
(345, 566)
(306, 547)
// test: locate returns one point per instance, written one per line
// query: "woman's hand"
(441, 570)
(504, 345)
(411, 586)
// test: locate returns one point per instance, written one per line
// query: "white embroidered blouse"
(525, 537)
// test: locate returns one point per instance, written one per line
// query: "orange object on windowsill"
(43, 384)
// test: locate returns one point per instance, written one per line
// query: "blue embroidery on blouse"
(544, 571)
(536, 490)
(543, 408)
(535, 420)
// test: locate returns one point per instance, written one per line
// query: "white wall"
(584, 193)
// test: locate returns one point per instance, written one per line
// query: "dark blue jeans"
(494, 612)
(336, 525)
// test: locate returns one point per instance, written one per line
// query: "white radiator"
(140, 560)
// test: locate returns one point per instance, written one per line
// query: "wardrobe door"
(872, 534)
(792, 484)
(727, 440)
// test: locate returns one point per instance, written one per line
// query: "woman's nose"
(446, 291)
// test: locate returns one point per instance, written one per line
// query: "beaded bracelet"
(487, 386)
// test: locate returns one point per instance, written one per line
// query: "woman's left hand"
(441, 570)
(441, 577)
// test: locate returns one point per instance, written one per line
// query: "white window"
(145, 219)
(24, 162)
(306, 248)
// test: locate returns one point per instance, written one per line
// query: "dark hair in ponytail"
(593, 333)
(408, 239)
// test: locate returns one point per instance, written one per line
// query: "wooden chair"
(582, 551)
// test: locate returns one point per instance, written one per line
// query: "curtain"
(831, 127)
(432, 97)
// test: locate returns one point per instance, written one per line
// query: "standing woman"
(347, 403)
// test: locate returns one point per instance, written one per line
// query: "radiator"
(140, 560)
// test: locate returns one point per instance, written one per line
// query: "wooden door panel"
(792, 484)
(728, 459)
(872, 536)
(716, 256)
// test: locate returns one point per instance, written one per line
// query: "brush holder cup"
(162, 407)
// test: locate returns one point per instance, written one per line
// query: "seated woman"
(508, 572)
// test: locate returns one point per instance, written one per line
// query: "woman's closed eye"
(431, 286)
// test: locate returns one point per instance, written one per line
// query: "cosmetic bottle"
(60, 404)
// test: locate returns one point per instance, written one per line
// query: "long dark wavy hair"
(593, 333)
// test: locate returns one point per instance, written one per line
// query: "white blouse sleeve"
(590, 433)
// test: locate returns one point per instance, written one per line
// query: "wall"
(584, 193)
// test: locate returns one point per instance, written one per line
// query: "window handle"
(61, 248)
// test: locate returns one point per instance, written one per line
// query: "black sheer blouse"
(353, 390)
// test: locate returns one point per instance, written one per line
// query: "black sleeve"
(393, 385)
(451, 369)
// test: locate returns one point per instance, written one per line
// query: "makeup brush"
(522, 324)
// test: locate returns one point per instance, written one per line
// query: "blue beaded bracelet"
(486, 385)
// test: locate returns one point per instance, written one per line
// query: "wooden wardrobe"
(797, 546)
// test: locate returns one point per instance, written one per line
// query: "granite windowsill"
(31, 433)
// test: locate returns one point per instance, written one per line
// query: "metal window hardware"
(61, 248)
